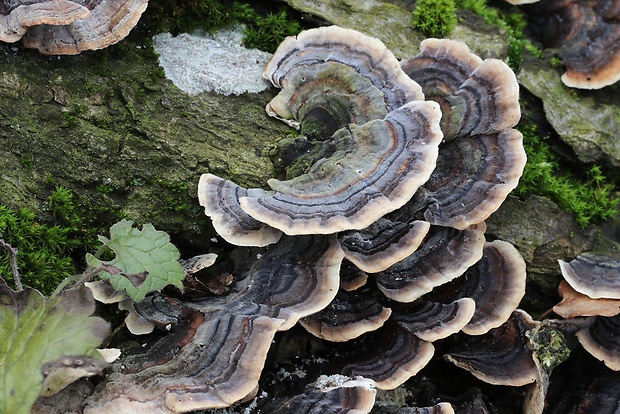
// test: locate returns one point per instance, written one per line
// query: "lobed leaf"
(145, 259)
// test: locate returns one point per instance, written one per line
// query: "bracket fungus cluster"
(68, 27)
(380, 240)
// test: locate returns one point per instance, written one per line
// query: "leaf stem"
(12, 251)
(85, 277)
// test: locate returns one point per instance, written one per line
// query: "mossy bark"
(110, 127)
(391, 21)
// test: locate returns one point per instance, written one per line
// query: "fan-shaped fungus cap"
(220, 199)
(382, 244)
(601, 340)
(16, 17)
(445, 255)
(496, 283)
(108, 23)
(375, 169)
(159, 381)
(482, 158)
(348, 316)
(431, 321)
(473, 178)
(501, 356)
(363, 60)
(588, 37)
(295, 278)
(476, 96)
(593, 275)
(399, 356)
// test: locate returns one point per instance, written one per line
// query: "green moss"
(589, 196)
(549, 346)
(52, 249)
(25, 162)
(71, 119)
(190, 15)
(267, 32)
(512, 22)
(434, 18)
(263, 30)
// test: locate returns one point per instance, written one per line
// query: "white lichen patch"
(217, 63)
(327, 383)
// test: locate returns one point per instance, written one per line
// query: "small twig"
(12, 251)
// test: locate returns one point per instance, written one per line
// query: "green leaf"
(35, 331)
(145, 259)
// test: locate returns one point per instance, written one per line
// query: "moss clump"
(267, 32)
(48, 251)
(512, 22)
(588, 196)
(434, 18)
(263, 31)
(190, 15)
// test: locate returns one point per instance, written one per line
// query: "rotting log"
(109, 126)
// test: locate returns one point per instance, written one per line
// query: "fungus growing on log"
(375, 169)
(220, 198)
(501, 356)
(382, 244)
(587, 36)
(446, 254)
(602, 341)
(226, 338)
(370, 192)
(496, 283)
(376, 166)
(399, 356)
(593, 275)
(63, 27)
(333, 64)
(431, 321)
(483, 157)
(477, 97)
(575, 304)
(348, 316)
(17, 17)
(592, 288)
(328, 394)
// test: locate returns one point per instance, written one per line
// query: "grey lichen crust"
(200, 62)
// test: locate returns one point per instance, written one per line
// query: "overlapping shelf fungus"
(380, 236)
